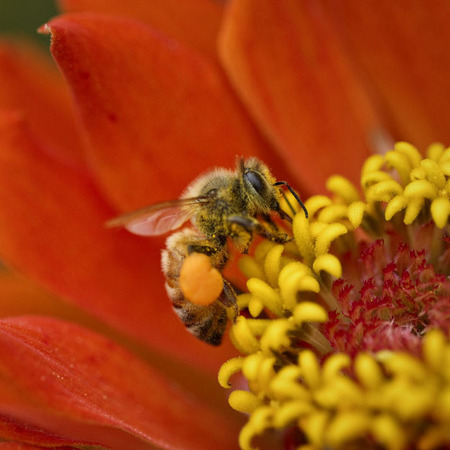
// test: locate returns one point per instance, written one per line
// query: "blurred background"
(23, 17)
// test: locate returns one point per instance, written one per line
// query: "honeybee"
(222, 205)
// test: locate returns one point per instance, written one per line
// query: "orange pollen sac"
(200, 282)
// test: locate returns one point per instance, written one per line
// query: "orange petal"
(31, 85)
(192, 22)
(76, 384)
(52, 228)
(156, 113)
(403, 51)
(292, 74)
(19, 296)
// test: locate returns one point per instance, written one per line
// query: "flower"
(347, 342)
(147, 102)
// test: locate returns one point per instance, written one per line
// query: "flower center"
(390, 306)
(344, 331)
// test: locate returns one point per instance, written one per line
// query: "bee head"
(258, 182)
(263, 190)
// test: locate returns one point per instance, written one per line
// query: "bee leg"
(275, 231)
(270, 222)
(204, 247)
(251, 225)
(284, 215)
(228, 297)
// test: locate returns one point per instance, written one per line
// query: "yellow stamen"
(244, 401)
(420, 189)
(434, 349)
(259, 421)
(397, 204)
(372, 178)
(332, 213)
(275, 336)
(355, 213)
(243, 337)
(388, 432)
(228, 369)
(383, 191)
(368, 371)
(285, 386)
(309, 312)
(440, 210)
(334, 365)
(295, 277)
(347, 426)
(316, 203)
(303, 238)
(255, 306)
(269, 297)
(328, 263)
(327, 236)
(272, 264)
(401, 163)
(372, 164)
(250, 267)
(433, 173)
(344, 188)
(410, 151)
(412, 210)
(310, 368)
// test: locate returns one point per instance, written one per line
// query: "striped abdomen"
(206, 322)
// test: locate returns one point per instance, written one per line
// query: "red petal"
(284, 60)
(193, 22)
(403, 51)
(20, 433)
(77, 384)
(21, 446)
(19, 296)
(29, 83)
(52, 228)
(156, 113)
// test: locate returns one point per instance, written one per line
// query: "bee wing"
(160, 218)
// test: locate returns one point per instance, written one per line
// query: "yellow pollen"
(200, 282)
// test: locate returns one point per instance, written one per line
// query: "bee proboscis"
(221, 205)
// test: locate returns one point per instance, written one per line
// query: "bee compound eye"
(256, 180)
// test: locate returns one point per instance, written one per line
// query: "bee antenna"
(285, 183)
